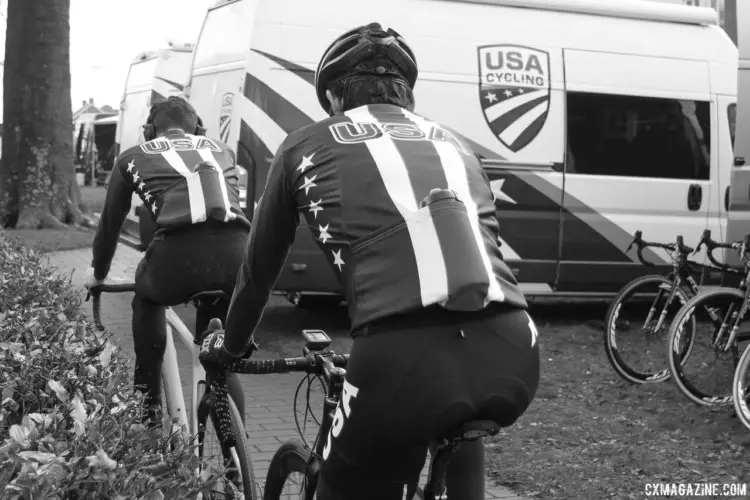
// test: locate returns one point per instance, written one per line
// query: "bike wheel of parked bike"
(286, 473)
(706, 376)
(636, 328)
(238, 481)
(741, 388)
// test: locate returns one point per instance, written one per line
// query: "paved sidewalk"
(268, 398)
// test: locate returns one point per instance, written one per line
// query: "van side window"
(732, 117)
(630, 136)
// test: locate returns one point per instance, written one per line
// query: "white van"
(596, 118)
(739, 215)
(153, 76)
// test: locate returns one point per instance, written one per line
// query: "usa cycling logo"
(225, 116)
(514, 89)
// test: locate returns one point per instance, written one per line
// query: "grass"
(591, 435)
(55, 240)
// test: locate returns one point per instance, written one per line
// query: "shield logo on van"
(225, 116)
(514, 89)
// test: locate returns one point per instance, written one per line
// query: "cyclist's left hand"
(89, 280)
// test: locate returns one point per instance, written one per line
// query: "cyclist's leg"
(204, 313)
(150, 341)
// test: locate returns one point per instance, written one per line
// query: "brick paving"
(268, 398)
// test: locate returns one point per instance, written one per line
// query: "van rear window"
(732, 117)
(632, 136)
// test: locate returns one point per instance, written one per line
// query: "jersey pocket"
(195, 198)
(433, 256)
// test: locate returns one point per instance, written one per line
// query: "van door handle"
(695, 197)
(726, 199)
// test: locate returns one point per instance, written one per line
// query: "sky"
(106, 35)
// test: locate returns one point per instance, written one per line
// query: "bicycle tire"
(291, 457)
(739, 388)
(206, 410)
(623, 369)
(675, 334)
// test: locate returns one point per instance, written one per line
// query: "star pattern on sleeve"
(315, 206)
(140, 186)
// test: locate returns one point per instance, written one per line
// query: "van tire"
(643, 284)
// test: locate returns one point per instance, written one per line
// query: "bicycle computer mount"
(316, 340)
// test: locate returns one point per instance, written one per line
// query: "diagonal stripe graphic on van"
(176, 85)
(608, 240)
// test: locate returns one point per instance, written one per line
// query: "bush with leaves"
(70, 423)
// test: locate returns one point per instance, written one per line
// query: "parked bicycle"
(294, 468)
(213, 417)
(716, 316)
(669, 293)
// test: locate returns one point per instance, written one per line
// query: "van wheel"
(316, 302)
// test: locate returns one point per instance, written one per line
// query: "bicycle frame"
(175, 400)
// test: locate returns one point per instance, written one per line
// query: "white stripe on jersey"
(433, 278)
(195, 189)
(457, 176)
(209, 157)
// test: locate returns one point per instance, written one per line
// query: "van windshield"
(225, 36)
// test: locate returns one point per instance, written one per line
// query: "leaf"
(59, 390)
(78, 414)
(154, 495)
(106, 356)
(101, 459)
(20, 435)
(7, 393)
(42, 458)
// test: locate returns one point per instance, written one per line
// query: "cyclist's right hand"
(212, 346)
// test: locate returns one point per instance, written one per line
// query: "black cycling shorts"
(412, 378)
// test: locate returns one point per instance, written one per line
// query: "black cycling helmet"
(365, 50)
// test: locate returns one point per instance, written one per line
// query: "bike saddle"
(474, 429)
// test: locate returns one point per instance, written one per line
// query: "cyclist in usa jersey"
(190, 187)
(403, 211)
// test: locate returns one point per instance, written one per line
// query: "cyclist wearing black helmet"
(404, 212)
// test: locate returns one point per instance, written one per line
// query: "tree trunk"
(37, 176)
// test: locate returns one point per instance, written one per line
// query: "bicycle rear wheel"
(286, 473)
(706, 376)
(636, 326)
(239, 480)
(741, 388)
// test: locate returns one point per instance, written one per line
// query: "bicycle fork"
(735, 320)
(662, 316)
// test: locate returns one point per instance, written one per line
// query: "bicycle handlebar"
(315, 362)
(678, 246)
(95, 294)
(712, 245)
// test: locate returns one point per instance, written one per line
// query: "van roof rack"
(645, 10)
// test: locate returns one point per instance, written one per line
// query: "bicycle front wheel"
(238, 481)
(636, 327)
(286, 473)
(706, 375)
(740, 387)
